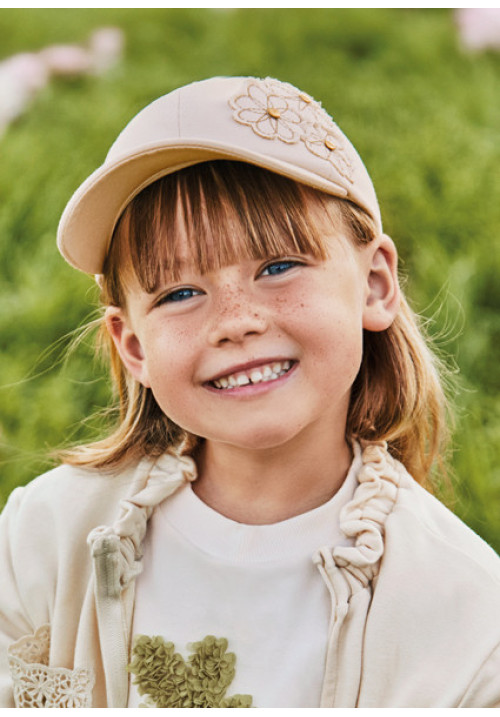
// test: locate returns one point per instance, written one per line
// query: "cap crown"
(261, 121)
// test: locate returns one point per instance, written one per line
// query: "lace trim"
(38, 685)
(278, 110)
(33, 648)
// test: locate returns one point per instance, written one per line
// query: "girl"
(247, 535)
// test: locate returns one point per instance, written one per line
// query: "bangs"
(213, 214)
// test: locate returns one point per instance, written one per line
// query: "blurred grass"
(424, 115)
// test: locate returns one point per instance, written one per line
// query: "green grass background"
(424, 114)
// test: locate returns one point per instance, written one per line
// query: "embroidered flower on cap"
(322, 142)
(268, 111)
(278, 110)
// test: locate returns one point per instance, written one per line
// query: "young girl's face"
(258, 353)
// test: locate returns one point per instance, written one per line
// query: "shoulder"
(440, 572)
(434, 613)
(43, 538)
(430, 529)
(64, 500)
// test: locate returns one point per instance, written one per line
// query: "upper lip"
(243, 367)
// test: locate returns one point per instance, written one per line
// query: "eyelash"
(169, 298)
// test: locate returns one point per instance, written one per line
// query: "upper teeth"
(269, 372)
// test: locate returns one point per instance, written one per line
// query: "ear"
(127, 344)
(383, 292)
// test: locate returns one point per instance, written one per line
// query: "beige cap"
(264, 122)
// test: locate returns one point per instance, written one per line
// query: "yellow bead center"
(273, 112)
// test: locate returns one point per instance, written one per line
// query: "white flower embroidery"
(38, 685)
(278, 110)
(71, 688)
(267, 113)
(324, 143)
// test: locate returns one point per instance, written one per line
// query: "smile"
(260, 374)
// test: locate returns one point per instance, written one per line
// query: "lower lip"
(252, 389)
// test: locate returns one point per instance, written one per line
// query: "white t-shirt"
(255, 586)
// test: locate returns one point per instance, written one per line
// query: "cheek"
(169, 385)
(168, 359)
(333, 338)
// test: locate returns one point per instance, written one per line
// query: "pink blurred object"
(106, 48)
(479, 28)
(66, 60)
(23, 76)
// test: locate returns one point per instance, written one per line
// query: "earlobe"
(127, 343)
(383, 292)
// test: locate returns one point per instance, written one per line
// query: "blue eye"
(279, 267)
(179, 295)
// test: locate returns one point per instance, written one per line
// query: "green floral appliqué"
(168, 681)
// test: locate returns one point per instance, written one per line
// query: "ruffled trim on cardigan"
(116, 557)
(348, 571)
(363, 518)
(123, 539)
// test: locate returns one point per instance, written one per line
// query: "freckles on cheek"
(162, 352)
(176, 338)
(295, 307)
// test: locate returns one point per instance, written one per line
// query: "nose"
(235, 318)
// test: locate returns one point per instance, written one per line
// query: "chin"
(260, 439)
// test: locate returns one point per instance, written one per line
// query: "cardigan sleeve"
(14, 622)
(484, 690)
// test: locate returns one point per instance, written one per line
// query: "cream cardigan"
(415, 599)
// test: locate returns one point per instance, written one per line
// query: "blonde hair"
(397, 395)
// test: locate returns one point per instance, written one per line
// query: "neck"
(268, 486)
